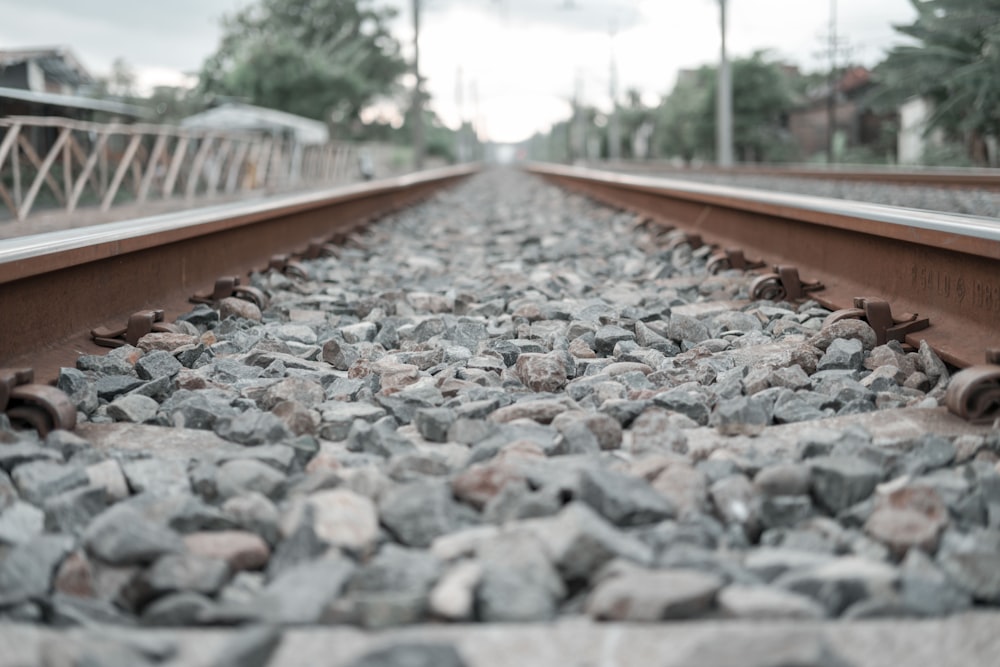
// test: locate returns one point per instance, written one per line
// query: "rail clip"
(139, 324)
(40, 406)
(288, 266)
(229, 286)
(782, 285)
(731, 258)
(878, 314)
(974, 393)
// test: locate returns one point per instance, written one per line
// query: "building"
(856, 124)
(53, 82)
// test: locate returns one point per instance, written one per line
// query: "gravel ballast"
(506, 405)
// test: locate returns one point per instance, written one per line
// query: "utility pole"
(831, 99)
(724, 101)
(418, 99)
(614, 127)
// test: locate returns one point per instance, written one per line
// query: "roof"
(73, 102)
(235, 116)
(58, 62)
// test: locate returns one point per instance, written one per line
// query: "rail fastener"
(139, 324)
(230, 286)
(732, 258)
(974, 393)
(782, 285)
(40, 406)
(878, 314)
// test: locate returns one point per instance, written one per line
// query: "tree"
(762, 96)
(324, 59)
(954, 62)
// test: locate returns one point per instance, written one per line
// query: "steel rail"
(942, 266)
(966, 178)
(56, 287)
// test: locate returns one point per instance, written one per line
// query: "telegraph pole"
(831, 99)
(724, 100)
(614, 128)
(418, 100)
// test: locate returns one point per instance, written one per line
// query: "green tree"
(954, 61)
(762, 97)
(324, 59)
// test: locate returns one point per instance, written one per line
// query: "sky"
(510, 66)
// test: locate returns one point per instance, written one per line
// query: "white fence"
(57, 164)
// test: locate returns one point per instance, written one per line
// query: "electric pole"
(724, 100)
(418, 98)
(614, 128)
(831, 99)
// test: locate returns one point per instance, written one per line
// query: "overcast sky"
(521, 60)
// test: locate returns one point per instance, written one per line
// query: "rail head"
(40, 253)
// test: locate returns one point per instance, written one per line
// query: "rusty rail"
(56, 287)
(946, 268)
(937, 177)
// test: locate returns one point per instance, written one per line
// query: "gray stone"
(972, 561)
(629, 593)
(579, 541)
(243, 476)
(177, 609)
(687, 403)
(300, 594)
(122, 536)
(71, 511)
(433, 423)
(683, 328)
(175, 573)
(17, 454)
(253, 428)
(740, 416)
(38, 480)
(20, 522)
(255, 512)
(80, 389)
(608, 336)
(380, 439)
(764, 602)
(842, 353)
(926, 590)
(157, 364)
(109, 387)
(783, 479)
(338, 417)
(155, 475)
(843, 582)
(838, 481)
(26, 570)
(417, 512)
(623, 499)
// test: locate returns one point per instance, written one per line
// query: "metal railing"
(58, 164)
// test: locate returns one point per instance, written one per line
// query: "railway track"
(507, 404)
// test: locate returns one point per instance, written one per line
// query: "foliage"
(954, 60)
(762, 96)
(324, 59)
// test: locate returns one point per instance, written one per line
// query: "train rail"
(935, 177)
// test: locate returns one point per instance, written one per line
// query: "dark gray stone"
(843, 582)
(39, 480)
(687, 403)
(80, 388)
(623, 499)
(300, 594)
(109, 387)
(839, 482)
(241, 476)
(417, 512)
(71, 511)
(12, 456)
(122, 536)
(380, 439)
(253, 428)
(433, 423)
(177, 610)
(842, 354)
(26, 570)
(608, 336)
(157, 364)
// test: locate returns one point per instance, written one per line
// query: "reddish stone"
(479, 483)
(75, 576)
(241, 549)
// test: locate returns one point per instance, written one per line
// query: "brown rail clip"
(974, 393)
(139, 324)
(319, 248)
(42, 407)
(288, 266)
(878, 314)
(731, 258)
(782, 285)
(228, 286)
(693, 240)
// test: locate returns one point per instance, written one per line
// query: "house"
(856, 125)
(53, 82)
